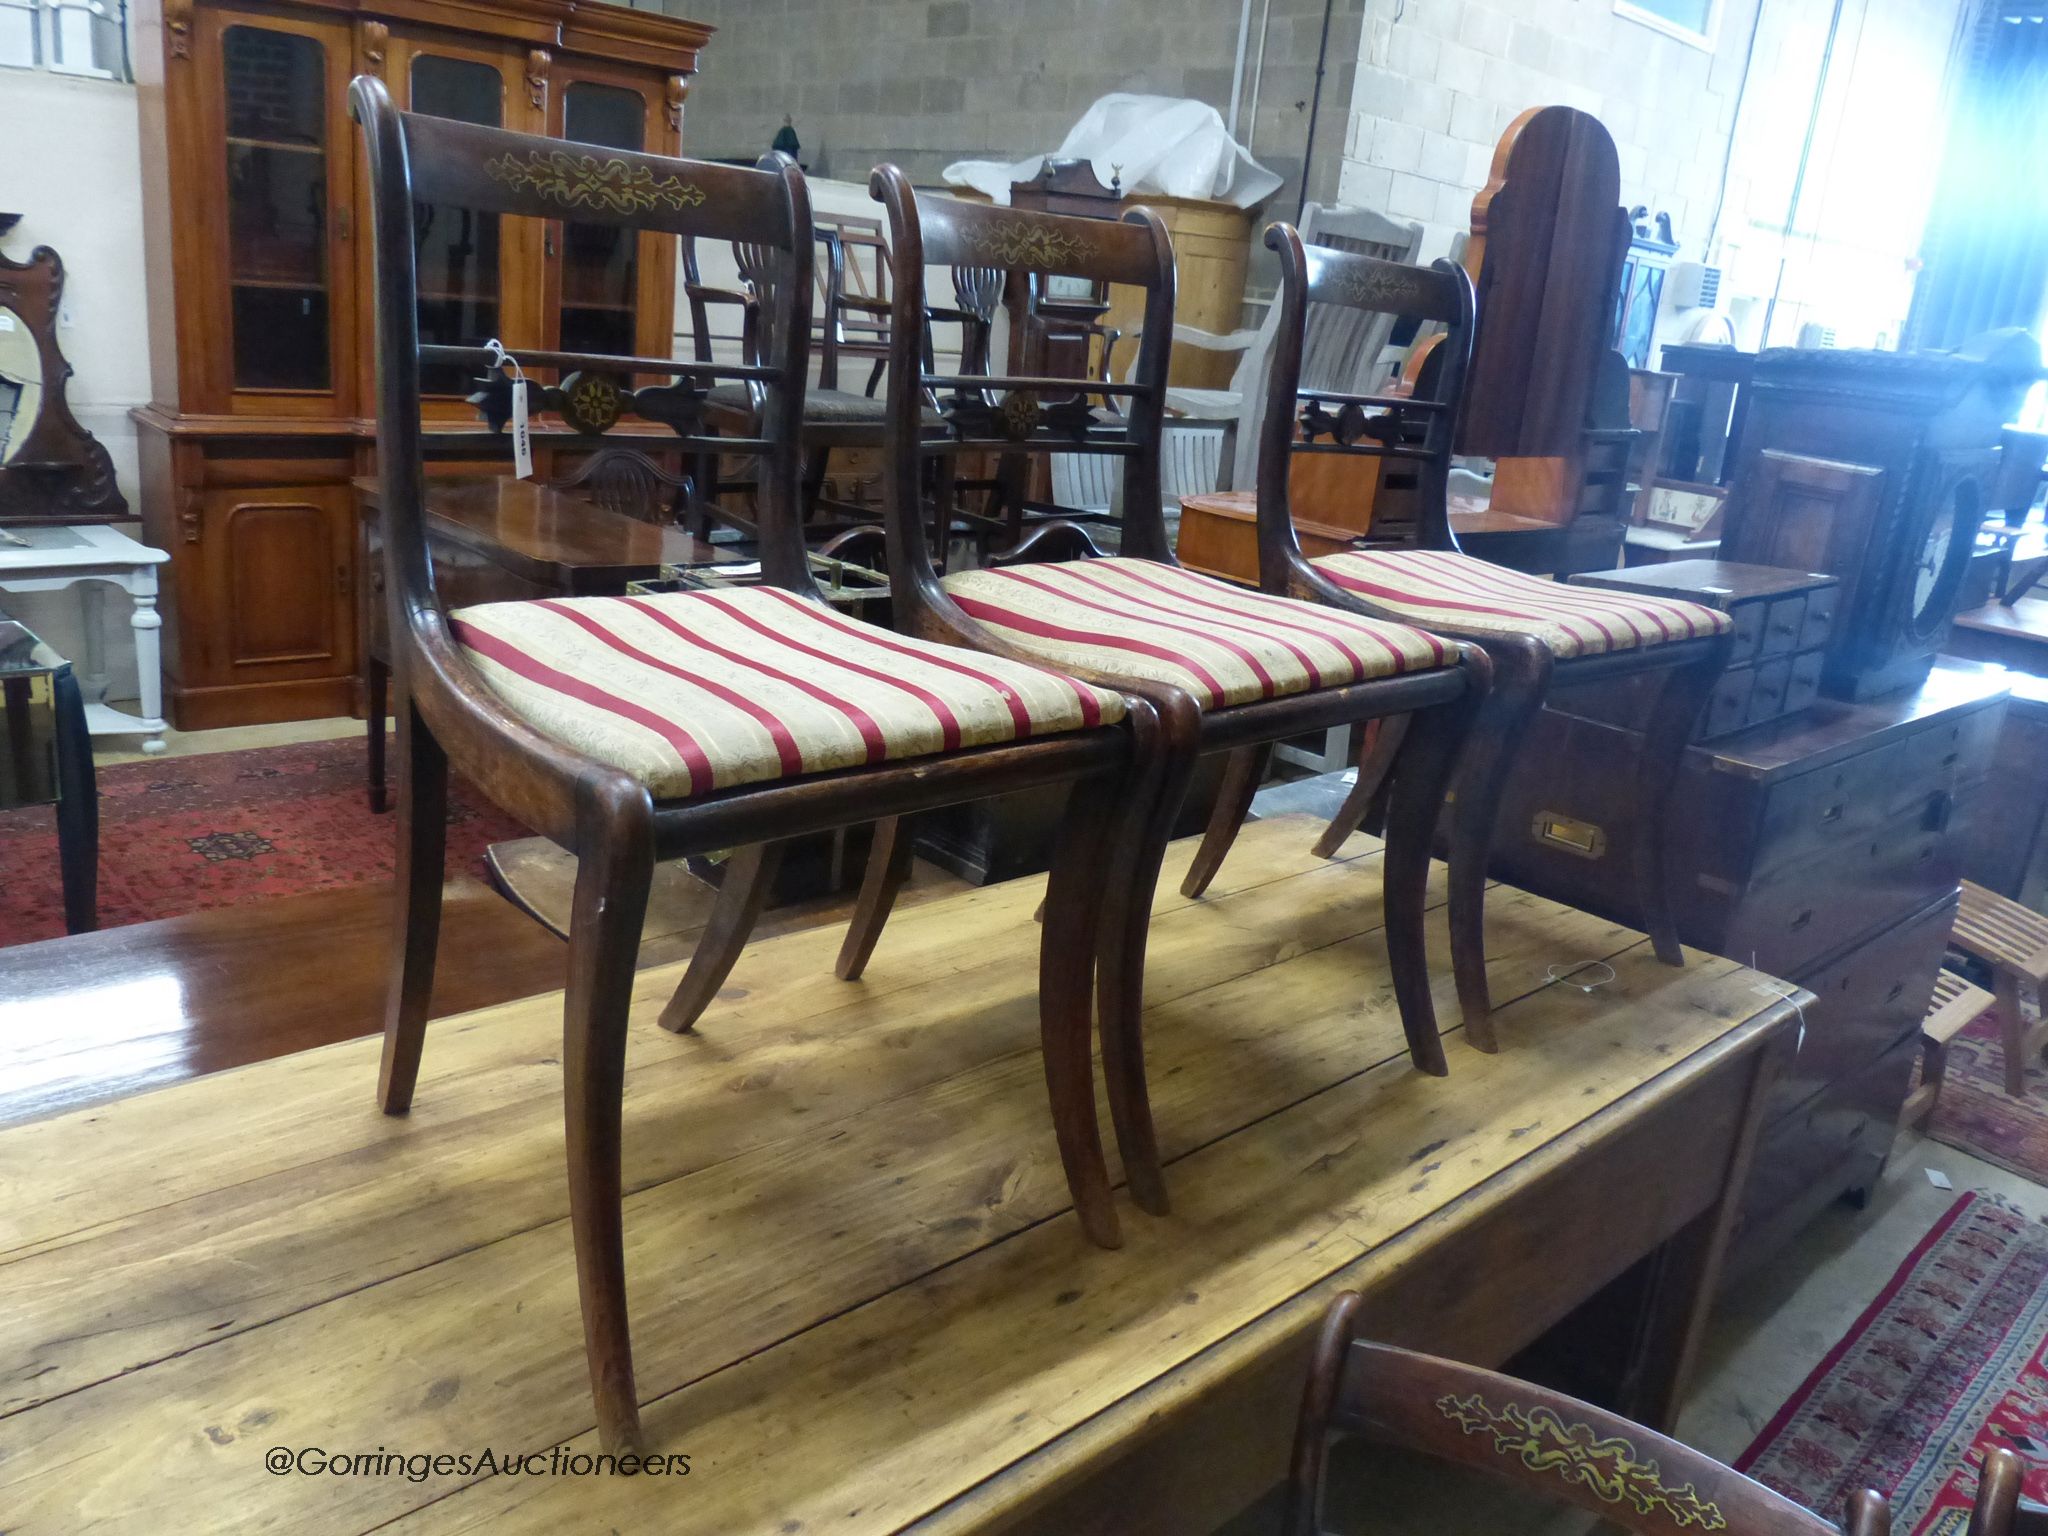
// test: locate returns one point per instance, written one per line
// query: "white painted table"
(51, 559)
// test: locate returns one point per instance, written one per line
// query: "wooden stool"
(1954, 1004)
(2013, 941)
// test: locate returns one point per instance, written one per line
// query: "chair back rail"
(413, 158)
(1420, 428)
(1557, 1448)
(1017, 414)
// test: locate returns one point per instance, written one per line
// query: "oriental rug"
(1944, 1363)
(183, 834)
(1976, 1115)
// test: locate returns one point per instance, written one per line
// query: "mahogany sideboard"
(260, 294)
(1825, 848)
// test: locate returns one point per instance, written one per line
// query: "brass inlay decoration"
(584, 181)
(1031, 245)
(1374, 289)
(1019, 414)
(591, 403)
(1612, 1469)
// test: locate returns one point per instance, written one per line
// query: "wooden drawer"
(1817, 623)
(1767, 692)
(1814, 812)
(1865, 1003)
(1784, 623)
(1834, 1142)
(1804, 687)
(1810, 906)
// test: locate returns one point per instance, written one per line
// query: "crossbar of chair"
(439, 353)
(1384, 402)
(987, 383)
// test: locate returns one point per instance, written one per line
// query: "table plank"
(852, 1198)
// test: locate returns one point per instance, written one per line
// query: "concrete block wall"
(1440, 80)
(927, 82)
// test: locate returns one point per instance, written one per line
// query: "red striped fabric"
(692, 692)
(1463, 595)
(1144, 619)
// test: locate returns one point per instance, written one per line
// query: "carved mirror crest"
(51, 469)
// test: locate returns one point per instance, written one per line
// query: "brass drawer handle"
(1579, 838)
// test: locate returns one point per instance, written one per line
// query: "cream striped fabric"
(695, 691)
(1222, 644)
(1464, 595)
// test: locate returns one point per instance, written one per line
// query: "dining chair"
(628, 482)
(1222, 667)
(1540, 634)
(637, 729)
(1557, 1449)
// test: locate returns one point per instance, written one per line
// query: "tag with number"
(522, 445)
(522, 441)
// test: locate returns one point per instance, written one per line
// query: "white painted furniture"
(1340, 349)
(51, 559)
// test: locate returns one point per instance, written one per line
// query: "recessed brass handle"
(1582, 839)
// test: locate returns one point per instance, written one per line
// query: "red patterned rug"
(1976, 1115)
(181, 834)
(1946, 1362)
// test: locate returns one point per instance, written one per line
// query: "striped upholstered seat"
(1139, 618)
(1462, 595)
(696, 691)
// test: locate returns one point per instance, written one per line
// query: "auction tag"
(522, 444)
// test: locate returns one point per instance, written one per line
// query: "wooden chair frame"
(1555, 1447)
(1062, 415)
(448, 715)
(1422, 428)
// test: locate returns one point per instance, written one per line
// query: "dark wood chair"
(631, 730)
(850, 324)
(628, 482)
(1538, 633)
(1222, 667)
(1558, 1449)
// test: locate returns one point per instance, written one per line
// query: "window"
(72, 37)
(1690, 21)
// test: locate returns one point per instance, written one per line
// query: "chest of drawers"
(1824, 849)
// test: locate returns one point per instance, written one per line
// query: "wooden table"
(861, 1301)
(496, 539)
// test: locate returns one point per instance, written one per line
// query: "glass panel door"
(280, 286)
(601, 263)
(456, 248)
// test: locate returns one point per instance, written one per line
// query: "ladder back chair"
(848, 324)
(1537, 632)
(1221, 666)
(631, 730)
(1558, 1449)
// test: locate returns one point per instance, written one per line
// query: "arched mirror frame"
(59, 473)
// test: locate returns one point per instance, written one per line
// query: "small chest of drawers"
(1782, 619)
(1823, 849)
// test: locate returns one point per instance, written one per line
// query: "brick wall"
(1437, 86)
(927, 82)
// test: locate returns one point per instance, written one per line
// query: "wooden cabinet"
(1823, 849)
(261, 284)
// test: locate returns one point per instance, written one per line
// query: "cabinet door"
(480, 275)
(280, 225)
(278, 566)
(610, 291)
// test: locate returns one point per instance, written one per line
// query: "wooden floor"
(860, 1298)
